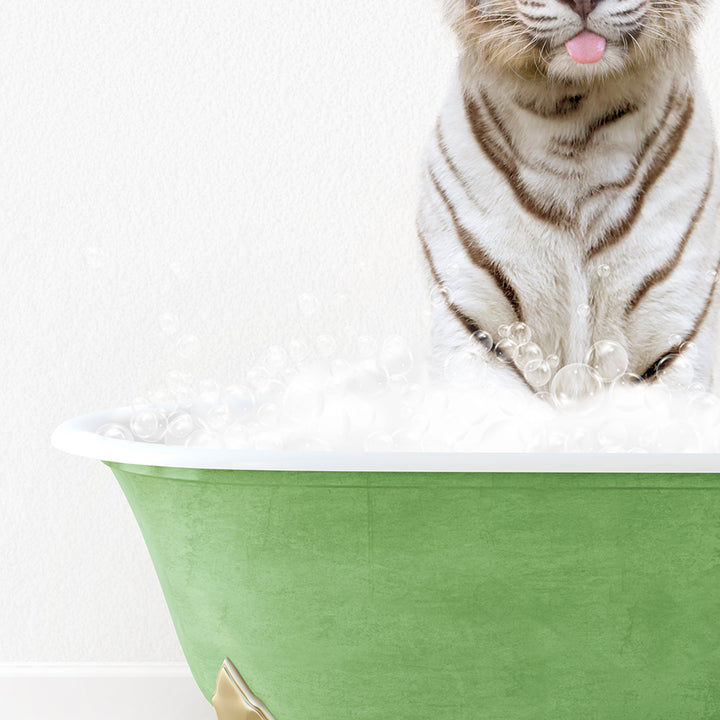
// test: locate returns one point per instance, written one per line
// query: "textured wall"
(212, 160)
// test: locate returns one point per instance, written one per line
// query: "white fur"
(546, 264)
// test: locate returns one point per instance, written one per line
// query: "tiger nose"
(582, 7)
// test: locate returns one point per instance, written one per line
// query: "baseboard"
(88, 691)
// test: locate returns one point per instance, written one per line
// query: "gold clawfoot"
(233, 699)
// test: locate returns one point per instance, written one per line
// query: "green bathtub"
(420, 587)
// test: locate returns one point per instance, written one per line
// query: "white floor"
(118, 692)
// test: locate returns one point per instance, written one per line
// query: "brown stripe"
(537, 18)
(623, 13)
(459, 175)
(509, 168)
(483, 338)
(476, 253)
(661, 273)
(670, 356)
(662, 159)
(640, 157)
(566, 147)
(563, 107)
(538, 166)
(449, 162)
(494, 116)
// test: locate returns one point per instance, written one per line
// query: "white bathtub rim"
(78, 437)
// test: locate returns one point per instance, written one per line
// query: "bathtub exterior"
(416, 596)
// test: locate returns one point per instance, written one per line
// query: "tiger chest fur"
(587, 211)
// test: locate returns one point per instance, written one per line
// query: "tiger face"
(573, 40)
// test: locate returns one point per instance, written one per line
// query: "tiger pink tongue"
(587, 47)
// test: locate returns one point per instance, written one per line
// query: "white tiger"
(571, 183)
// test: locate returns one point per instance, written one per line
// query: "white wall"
(210, 159)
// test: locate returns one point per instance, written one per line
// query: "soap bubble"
(395, 357)
(483, 338)
(553, 361)
(602, 271)
(298, 350)
(608, 359)
(537, 373)
(527, 353)
(218, 418)
(384, 402)
(208, 391)
(179, 427)
(503, 331)
(520, 333)
(675, 371)
(583, 310)
(147, 425)
(689, 349)
(508, 348)
(115, 431)
(439, 296)
(240, 401)
(573, 385)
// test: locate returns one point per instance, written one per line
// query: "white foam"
(384, 401)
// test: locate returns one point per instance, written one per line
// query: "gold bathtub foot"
(233, 699)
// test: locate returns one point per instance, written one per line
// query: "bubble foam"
(383, 396)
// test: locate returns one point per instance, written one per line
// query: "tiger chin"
(571, 191)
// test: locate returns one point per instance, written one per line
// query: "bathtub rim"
(78, 437)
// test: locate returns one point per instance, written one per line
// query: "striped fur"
(540, 171)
